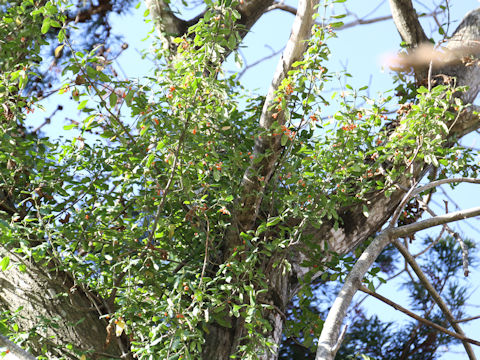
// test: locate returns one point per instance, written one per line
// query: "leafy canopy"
(136, 204)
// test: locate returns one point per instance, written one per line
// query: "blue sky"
(357, 50)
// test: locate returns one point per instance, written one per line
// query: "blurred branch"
(255, 63)
(452, 233)
(435, 296)
(359, 21)
(469, 319)
(416, 317)
(16, 350)
(281, 6)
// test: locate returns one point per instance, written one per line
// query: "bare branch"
(406, 20)
(255, 63)
(452, 233)
(468, 319)
(331, 328)
(16, 350)
(410, 229)
(281, 6)
(442, 182)
(412, 192)
(435, 296)
(329, 337)
(364, 22)
(358, 21)
(419, 318)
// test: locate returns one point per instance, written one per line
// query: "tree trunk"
(222, 342)
(53, 319)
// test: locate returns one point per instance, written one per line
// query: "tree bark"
(56, 319)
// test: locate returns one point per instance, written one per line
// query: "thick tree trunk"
(222, 342)
(54, 319)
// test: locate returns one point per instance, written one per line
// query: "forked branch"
(329, 337)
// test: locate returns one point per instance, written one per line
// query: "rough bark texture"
(466, 41)
(73, 319)
(406, 20)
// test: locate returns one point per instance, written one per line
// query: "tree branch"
(103, 7)
(469, 319)
(267, 148)
(452, 233)
(281, 6)
(442, 182)
(290, 9)
(330, 334)
(168, 24)
(419, 318)
(406, 20)
(331, 328)
(16, 350)
(435, 296)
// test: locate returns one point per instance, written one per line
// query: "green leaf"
(336, 24)
(69, 127)
(4, 263)
(273, 221)
(365, 211)
(45, 25)
(151, 157)
(216, 175)
(129, 97)
(22, 267)
(91, 72)
(82, 104)
(113, 99)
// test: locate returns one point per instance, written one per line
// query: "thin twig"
(255, 63)
(170, 180)
(456, 236)
(469, 319)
